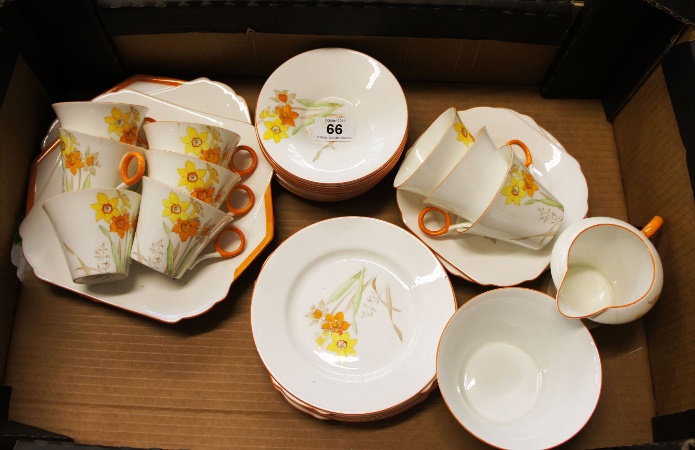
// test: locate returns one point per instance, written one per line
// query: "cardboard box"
(105, 376)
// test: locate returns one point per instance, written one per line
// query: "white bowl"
(515, 373)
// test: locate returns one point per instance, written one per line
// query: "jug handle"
(653, 226)
(525, 148)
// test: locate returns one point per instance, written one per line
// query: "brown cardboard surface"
(102, 375)
(656, 181)
(258, 54)
(21, 125)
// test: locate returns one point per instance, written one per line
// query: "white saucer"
(488, 262)
(363, 305)
(145, 291)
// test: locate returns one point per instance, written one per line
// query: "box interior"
(105, 376)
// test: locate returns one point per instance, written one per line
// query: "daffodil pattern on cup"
(204, 145)
(522, 190)
(288, 114)
(123, 125)
(200, 183)
(464, 135)
(80, 166)
(186, 227)
(361, 297)
(114, 218)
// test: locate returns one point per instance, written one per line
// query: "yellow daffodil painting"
(113, 217)
(196, 142)
(287, 115)
(105, 207)
(79, 163)
(191, 176)
(175, 209)
(200, 183)
(275, 130)
(186, 229)
(123, 125)
(514, 191)
(464, 135)
(335, 318)
(521, 184)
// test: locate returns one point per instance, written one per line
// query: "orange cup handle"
(653, 226)
(525, 148)
(249, 169)
(224, 253)
(249, 205)
(427, 231)
(125, 162)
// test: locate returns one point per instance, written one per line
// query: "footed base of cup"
(100, 278)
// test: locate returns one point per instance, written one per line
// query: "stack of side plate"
(347, 315)
(332, 123)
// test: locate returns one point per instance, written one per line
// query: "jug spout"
(584, 292)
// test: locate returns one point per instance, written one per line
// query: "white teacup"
(95, 228)
(116, 121)
(433, 154)
(198, 178)
(494, 194)
(606, 270)
(174, 228)
(94, 162)
(213, 144)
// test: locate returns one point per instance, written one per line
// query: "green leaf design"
(86, 183)
(313, 119)
(531, 201)
(318, 104)
(343, 288)
(116, 258)
(550, 202)
(167, 231)
(68, 184)
(105, 231)
(170, 257)
(358, 293)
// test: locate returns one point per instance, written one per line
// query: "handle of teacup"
(427, 231)
(139, 173)
(254, 160)
(247, 207)
(653, 226)
(525, 148)
(242, 243)
(219, 251)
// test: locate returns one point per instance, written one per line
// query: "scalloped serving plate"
(145, 291)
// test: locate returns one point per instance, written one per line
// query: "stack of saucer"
(364, 305)
(332, 123)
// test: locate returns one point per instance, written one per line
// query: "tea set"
(368, 312)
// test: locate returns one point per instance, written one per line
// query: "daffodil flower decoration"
(521, 185)
(360, 296)
(287, 114)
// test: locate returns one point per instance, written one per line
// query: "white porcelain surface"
(490, 262)
(515, 373)
(615, 275)
(206, 95)
(344, 349)
(331, 82)
(117, 120)
(428, 161)
(145, 291)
